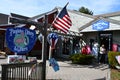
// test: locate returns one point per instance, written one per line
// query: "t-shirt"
(102, 50)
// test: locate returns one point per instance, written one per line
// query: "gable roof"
(106, 17)
(76, 17)
(43, 14)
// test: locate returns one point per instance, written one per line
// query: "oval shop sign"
(20, 40)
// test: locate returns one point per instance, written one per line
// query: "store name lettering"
(20, 49)
(17, 31)
(101, 24)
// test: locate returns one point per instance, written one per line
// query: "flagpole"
(67, 3)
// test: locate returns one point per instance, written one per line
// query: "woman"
(102, 54)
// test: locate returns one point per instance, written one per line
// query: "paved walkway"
(70, 71)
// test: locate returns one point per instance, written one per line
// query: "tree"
(85, 10)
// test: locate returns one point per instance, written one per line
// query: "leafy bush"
(111, 58)
(81, 58)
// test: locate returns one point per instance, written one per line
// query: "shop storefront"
(81, 24)
(105, 30)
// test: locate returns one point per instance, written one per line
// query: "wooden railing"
(20, 71)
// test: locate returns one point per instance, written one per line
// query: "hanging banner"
(100, 25)
(20, 40)
(52, 39)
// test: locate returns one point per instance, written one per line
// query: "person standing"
(82, 44)
(102, 54)
(95, 50)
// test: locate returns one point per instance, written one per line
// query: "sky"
(31, 8)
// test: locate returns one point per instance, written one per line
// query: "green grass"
(115, 74)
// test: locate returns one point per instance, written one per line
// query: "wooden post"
(44, 50)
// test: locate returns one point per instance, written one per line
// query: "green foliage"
(111, 58)
(81, 58)
(85, 10)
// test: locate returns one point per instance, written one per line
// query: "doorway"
(106, 39)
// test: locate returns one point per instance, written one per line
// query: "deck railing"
(20, 71)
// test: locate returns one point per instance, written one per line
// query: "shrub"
(81, 58)
(112, 60)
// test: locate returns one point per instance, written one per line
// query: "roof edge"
(110, 14)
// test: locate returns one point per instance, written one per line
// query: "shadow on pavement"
(95, 65)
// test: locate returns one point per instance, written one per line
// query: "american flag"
(62, 22)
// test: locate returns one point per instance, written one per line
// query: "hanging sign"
(20, 40)
(52, 39)
(54, 64)
(100, 25)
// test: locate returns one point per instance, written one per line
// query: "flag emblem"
(62, 22)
